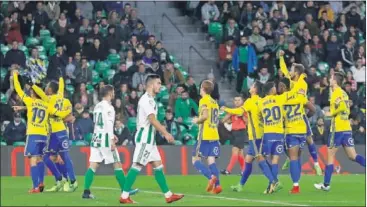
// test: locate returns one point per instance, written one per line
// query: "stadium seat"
(323, 67)
(164, 99)
(177, 142)
(3, 144)
(161, 112)
(23, 48)
(17, 144)
(95, 77)
(80, 143)
(228, 142)
(216, 30)
(90, 88)
(102, 66)
(3, 98)
(41, 49)
(70, 89)
(131, 124)
(4, 49)
(44, 33)
(108, 75)
(172, 58)
(52, 50)
(32, 41)
(49, 42)
(114, 59)
(3, 72)
(191, 142)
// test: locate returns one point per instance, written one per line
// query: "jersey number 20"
(272, 114)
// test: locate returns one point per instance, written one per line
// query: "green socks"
(120, 177)
(161, 179)
(130, 179)
(88, 180)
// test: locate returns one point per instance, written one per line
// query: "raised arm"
(61, 87)
(283, 66)
(26, 99)
(40, 93)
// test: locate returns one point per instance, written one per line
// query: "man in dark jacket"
(124, 30)
(85, 123)
(40, 18)
(113, 40)
(57, 64)
(15, 131)
(82, 73)
(80, 46)
(231, 30)
(121, 77)
(69, 40)
(320, 132)
(122, 133)
(15, 56)
(155, 69)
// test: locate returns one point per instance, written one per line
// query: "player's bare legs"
(216, 188)
(352, 155)
(159, 177)
(295, 168)
(313, 152)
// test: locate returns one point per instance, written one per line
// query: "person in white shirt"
(103, 145)
(146, 150)
(359, 72)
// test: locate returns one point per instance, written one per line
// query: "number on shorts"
(272, 114)
(292, 110)
(38, 113)
(214, 116)
(98, 119)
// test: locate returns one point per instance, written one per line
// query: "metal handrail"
(197, 52)
(164, 15)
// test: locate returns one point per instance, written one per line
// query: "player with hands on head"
(146, 150)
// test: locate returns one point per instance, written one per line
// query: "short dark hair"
(286, 82)
(259, 87)
(54, 86)
(339, 78)
(151, 77)
(106, 90)
(267, 87)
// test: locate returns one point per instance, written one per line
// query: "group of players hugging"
(277, 123)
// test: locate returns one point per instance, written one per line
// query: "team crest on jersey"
(279, 149)
(65, 144)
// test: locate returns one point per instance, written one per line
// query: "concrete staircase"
(201, 57)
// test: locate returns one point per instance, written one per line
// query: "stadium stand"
(95, 43)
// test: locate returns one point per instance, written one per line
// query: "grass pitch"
(347, 190)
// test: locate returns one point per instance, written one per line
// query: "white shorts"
(103, 153)
(146, 153)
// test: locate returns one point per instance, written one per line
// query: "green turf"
(347, 190)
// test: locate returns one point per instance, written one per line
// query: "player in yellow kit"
(255, 134)
(207, 145)
(295, 129)
(297, 80)
(59, 139)
(271, 108)
(37, 120)
(340, 130)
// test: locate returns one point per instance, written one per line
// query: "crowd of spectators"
(324, 36)
(89, 44)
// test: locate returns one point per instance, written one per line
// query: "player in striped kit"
(103, 145)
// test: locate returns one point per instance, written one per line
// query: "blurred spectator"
(311, 25)
(331, 47)
(347, 54)
(80, 46)
(236, 10)
(160, 52)
(215, 94)
(247, 15)
(26, 25)
(60, 27)
(267, 61)
(133, 19)
(308, 57)
(352, 94)
(14, 34)
(328, 11)
(309, 8)
(82, 73)
(139, 76)
(123, 29)
(226, 52)
(225, 13)
(312, 77)
(351, 80)
(86, 8)
(122, 76)
(140, 31)
(113, 17)
(15, 56)
(82, 96)
(353, 18)
(69, 71)
(263, 75)
(134, 99)
(358, 130)
(185, 107)
(155, 68)
(53, 10)
(113, 40)
(192, 89)
(97, 52)
(313, 120)
(69, 40)
(172, 76)
(58, 62)
(77, 18)
(320, 132)
(359, 72)
(172, 126)
(122, 133)
(258, 40)
(209, 12)
(148, 57)
(15, 131)
(94, 34)
(68, 7)
(85, 123)
(41, 19)
(244, 61)
(279, 5)
(85, 28)
(231, 31)
(74, 132)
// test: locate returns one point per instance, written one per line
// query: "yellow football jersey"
(208, 129)
(272, 112)
(37, 111)
(255, 122)
(294, 122)
(339, 109)
(57, 101)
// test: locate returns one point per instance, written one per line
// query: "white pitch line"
(216, 197)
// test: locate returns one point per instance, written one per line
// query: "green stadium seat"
(43, 57)
(3, 98)
(23, 48)
(191, 142)
(172, 58)
(41, 49)
(183, 129)
(228, 142)
(32, 41)
(18, 144)
(4, 49)
(114, 59)
(80, 143)
(216, 30)
(164, 99)
(161, 112)
(323, 67)
(70, 89)
(178, 143)
(3, 72)
(108, 75)
(131, 124)
(3, 144)
(102, 66)
(44, 33)
(96, 79)
(49, 42)
(52, 50)
(90, 88)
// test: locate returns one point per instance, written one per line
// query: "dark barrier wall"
(177, 161)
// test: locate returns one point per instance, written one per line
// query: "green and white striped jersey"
(104, 119)
(145, 131)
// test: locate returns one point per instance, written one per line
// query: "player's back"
(256, 127)
(209, 129)
(59, 103)
(103, 118)
(293, 117)
(37, 113)
(341, 120)
(271, 111)
(145, 130)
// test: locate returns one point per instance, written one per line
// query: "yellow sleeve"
(26, 99)
(236, 111)
(40, 93)
(61, 87)
(340, 105)
(55, 112)
(283, 67)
